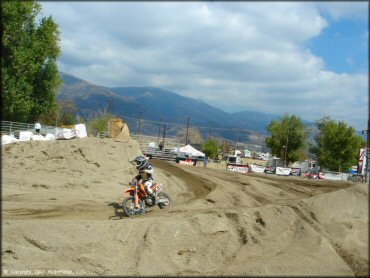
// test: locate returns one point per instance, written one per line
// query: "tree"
(209, 147)
(67, 110)
(64, 114)
(99, 123)
(226, 148)
(193, 135)
(337, 145)
(28, 62)
(288, 138)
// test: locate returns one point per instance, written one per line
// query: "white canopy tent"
(190, 151)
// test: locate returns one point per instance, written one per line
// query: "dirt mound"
(61, 215)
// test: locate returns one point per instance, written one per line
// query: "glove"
(132, 182)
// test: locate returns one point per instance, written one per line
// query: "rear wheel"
(129, 209)
(164, 200)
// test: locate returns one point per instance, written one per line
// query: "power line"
(184, 125)
(169, 123)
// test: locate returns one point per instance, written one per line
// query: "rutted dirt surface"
(61, 212)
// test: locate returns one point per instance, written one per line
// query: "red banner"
(186, 162)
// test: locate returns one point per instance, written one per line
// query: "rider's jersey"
(145, 174)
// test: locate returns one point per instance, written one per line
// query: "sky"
(310, 59)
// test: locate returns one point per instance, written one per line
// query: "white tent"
(189, 150)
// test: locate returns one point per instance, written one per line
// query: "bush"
(98, 124)
(209, 147)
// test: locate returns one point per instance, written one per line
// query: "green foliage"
(63, 115)
(209, 148)
(288, 138)
(28, 62)
(337, 145)
(98, 124)
(67, 110)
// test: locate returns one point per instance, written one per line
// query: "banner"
(282, 171)
(65, 133)
(244, 169)
(257, 168)
(361, 168)
(321, 176)
(37, 137)
(270, 170)
(186, 162)
(49, 136)
(25, 135)
(80, 131)
(295, 171)
(335, 176)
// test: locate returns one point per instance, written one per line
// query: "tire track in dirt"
(200, 182)
(200, 187)
(301, 189)
(296, 188)
(356, 264)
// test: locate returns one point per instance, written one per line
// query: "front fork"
(136, 198)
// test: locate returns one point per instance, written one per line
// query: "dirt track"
(61, 211)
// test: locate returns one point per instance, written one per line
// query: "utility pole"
(187, 131)
(286, 147)
(56, 120)
(164, 133)
(159, 129)
(109, 107)
(138, 128)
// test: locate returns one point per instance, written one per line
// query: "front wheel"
(129, 209)
(164, 200)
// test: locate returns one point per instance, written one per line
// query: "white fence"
(14, 131)
(14, 127)
(8, 127)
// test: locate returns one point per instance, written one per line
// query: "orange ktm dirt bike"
(138, 200)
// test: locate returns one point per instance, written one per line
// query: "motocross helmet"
(141, 162)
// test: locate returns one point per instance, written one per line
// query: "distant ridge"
(156, 103)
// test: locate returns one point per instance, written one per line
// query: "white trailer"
(234, 159)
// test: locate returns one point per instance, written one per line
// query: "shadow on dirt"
(118, 211)
(119, 214)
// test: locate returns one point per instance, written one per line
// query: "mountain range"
(155, 106)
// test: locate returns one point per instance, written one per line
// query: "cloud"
(236, 56)
(348, 10)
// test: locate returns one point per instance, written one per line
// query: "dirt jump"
(62, 215)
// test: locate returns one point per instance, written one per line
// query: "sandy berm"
(61, 215)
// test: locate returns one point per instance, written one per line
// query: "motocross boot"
(154, 197)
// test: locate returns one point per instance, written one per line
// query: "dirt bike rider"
(146, 175)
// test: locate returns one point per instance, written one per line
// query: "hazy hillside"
(172, 107)
(157, 104)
